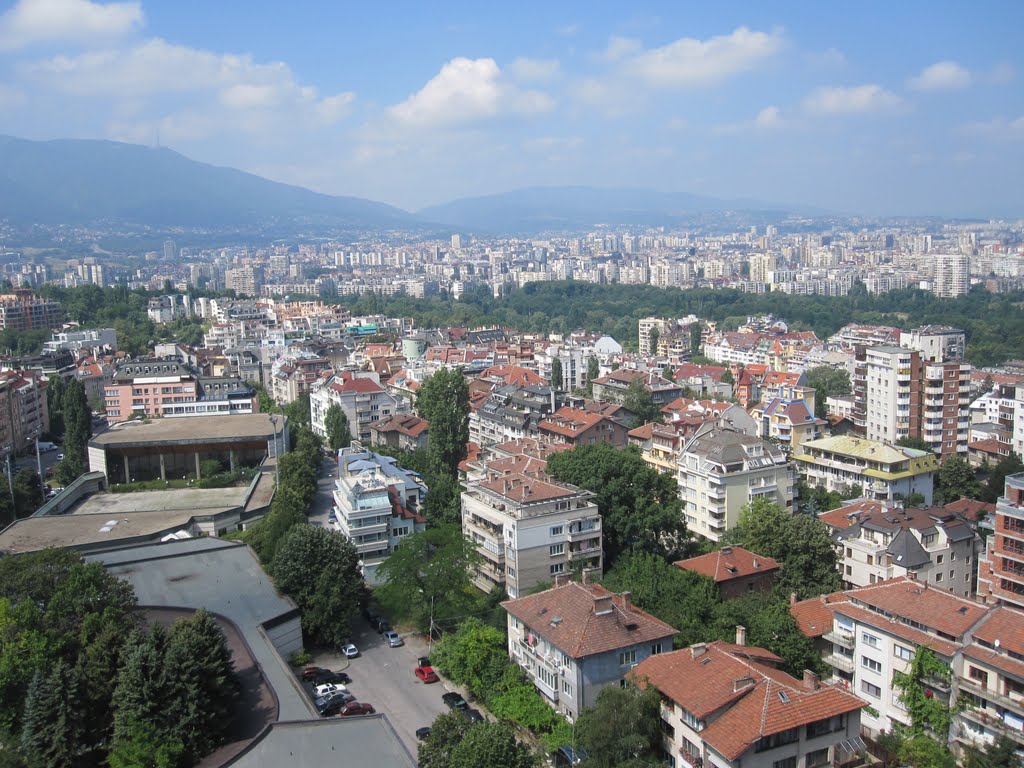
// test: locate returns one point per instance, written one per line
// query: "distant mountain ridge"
(576, 207)
(71, 181)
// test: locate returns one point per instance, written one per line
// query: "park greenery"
(20, 499)
(455, 742)
(71, 419)
(83, 683)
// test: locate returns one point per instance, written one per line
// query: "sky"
(874, 108)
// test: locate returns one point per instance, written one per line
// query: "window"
(556, 549)
(871, 690)
(979, 676)
(627, 657)
(938, 577)
(869, 640)
(512, 572)
(902, 653)
(817, 758)
(566, 688)
(777, 740)
(789, 762)
(939, 559)
(556, 530)
(655, 649)
(557, 568)
(874, 666)
(849, 570)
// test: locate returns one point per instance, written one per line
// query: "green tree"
(491, 745)
(679, 597)
(652, 340)
(728, 378)
(430, 574)
(640, 507)
(443, 502)
(955, 480)
(769, 625)
(827, 382)
(77, 429)
(623, 727)
(52, 731)
(639, 402)
(475, 656)
(996, 483)
(319, 570)
(556, 373)
(266, 402)
(55, 404)
(593, 372)
(1002, 753)
(446, 732)
(799, 542)
(921, 751)
(443, 401)
(143, 745)
(336, 425)
(929, 715)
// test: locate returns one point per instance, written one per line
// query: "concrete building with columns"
(173, 449)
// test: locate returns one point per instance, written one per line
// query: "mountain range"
(127, 186)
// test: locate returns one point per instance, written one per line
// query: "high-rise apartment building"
(761, 266)
(1001, 569)
(952, 275)
(245, 281)
(20, 310)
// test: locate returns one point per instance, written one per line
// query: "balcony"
(841, 662)
(579, 532)
(1012, 701)
(992, 721)
(838, 637)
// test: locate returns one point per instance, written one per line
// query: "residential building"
(295, 374)
(402, 431)
(615, 386)
(245, 281)
(573, 361)
(729, 705)
(736, 571)
(878, 541)
(1001, 571)
(20, 310)
(360, 396)
(882, 472)
(24, 415)
(788, 418)
(376, 505)
(722, 469)
(936, 343)
(528, 527)
(167, 309)
(167, 387)
(952, 275)
(576, 427)
(99, 340)
(576, 638)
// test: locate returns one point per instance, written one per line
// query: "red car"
(426, 674)
(309, 673)
(355, 708)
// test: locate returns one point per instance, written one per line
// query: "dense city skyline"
(913, 110)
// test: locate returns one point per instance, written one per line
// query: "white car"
(350, 651)
(332, 689)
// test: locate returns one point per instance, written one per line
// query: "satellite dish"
(996, 643)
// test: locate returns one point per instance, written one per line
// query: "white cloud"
(842, 100)
(941, 76)
(768, 118)
(689, 62)
(996, 128)
(620, 47)
(468, 90)
(77, 21)
(534, 69)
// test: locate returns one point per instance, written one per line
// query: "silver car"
(393, 638)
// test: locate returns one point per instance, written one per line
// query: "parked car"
(350, 651)
(473, 715)
(422, 733)
(355, 708)
(311, 672)
(332, 518)
(332, 677)
(60, 457)
(423, 661)
(454, 700)
(326, 688)
(332, 707)
(394, 639)
(381, 626)
(336, 700)
(426, 674)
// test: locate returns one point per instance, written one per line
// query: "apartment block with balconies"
(530, 529)
(1001, 570)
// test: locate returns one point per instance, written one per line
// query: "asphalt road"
(384, 677)
(324, 499)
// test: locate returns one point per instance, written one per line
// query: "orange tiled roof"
(581, 632)
(523, 489)
(729, 563)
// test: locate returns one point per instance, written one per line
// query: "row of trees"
(81, 682)
(71, 418)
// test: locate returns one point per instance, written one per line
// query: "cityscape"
(555, 409)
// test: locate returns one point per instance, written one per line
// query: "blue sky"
(869, 107)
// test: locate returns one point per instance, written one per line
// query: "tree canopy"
(623, 728)
(639, 402)
(640, 507)
(443, 401)
(827, 382)
(339, 435)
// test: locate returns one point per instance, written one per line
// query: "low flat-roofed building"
(168, 449)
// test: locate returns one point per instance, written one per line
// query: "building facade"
(1001, 572)
(360, 396)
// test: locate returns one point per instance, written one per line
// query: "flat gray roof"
(198, 501)
(190, 429)
(81, 531)
(340, 742)
(223, 577)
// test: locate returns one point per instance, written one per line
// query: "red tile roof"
(815, 617)
(729, 563)
(523, 489)
(581, 631)
(513, 375)
(346, 382)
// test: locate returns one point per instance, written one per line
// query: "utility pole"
(39, 461)
(430, 632)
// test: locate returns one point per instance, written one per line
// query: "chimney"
(741, 635)
(627, 601)
(912, 575)
(602, 605)
(792, 598)
(585, 577)
(562, 579)
(811, 681)
(747, 681)
(698, 650)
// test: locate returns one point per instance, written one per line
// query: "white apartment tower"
(952, 275)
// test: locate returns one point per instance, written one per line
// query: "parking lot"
(384, 677)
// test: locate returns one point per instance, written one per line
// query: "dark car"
(382, 626)
(332, 677)
(454, 700)
(473, 715)
(422, 733)
(329, 700)
(332, 707)
(423, 661)
(355, 708)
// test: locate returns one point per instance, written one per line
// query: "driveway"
(323, 502)
(383, 676)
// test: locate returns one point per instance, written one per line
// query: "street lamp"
(10, 481)
(39, 461)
